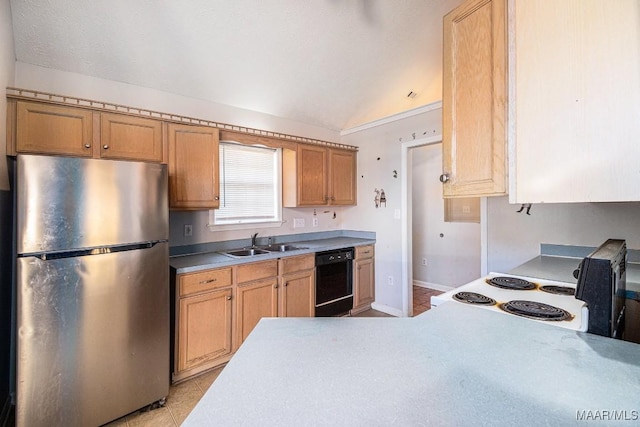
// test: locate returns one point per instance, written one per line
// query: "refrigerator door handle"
(92, 251)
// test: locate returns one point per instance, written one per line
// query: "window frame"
(213, 225)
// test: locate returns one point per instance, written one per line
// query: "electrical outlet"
(298, 222)
(390, 280)
(424, 261)
(188, 230)
(315, 222)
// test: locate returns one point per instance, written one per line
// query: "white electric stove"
(540, 300)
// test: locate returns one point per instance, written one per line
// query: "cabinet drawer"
(257, 270)
(297, 263)
(363, 252)
(192, 283)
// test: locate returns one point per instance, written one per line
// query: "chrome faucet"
(253, 240)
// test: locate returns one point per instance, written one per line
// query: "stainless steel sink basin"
(246, 252)
(281, 248)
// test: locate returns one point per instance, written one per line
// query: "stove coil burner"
(474, 298)
(558, 290)
(513, 283)
(536, 310)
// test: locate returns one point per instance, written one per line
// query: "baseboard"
(435, 286)
(386, 309)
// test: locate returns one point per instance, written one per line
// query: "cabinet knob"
(275, 286)
(87, 145)
(229, 298)
(444, 178)
(216, 198)
(333, 198)
(105, 146)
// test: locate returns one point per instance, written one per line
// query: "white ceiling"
(332, 63)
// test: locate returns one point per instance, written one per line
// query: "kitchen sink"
(246, 252)
(281, 248)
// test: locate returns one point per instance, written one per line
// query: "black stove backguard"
(601, 284)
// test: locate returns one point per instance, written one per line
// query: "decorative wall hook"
(395, 173)
(524, 206)
(383, 198)
(377, 198)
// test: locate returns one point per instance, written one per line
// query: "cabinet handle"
(228, 298)
(105, 146)
(208, 281)
(444, 178)
(87, 145)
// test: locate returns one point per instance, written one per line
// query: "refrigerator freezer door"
(65, 203)
(93, 336)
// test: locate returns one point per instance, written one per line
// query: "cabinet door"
(576, 102)
(364, 283)
(52, 129)
(297, 294)
(130, 138)
(312, 175)
(254, 301)
(204, 331)
(474, 100)
(193, 167)
(342, 178)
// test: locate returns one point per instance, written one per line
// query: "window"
(249, 185)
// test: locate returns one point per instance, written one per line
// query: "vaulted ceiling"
(331, 63)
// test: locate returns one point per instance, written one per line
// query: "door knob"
(444, 178)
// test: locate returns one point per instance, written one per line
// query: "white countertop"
(453, 365)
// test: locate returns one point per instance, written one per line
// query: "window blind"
(249, 184)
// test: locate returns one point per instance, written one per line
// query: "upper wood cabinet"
(53, 129)
(474, 105)
(70, 131)
(193, 167)
(575, 102)
(318, 176)
(130, 138)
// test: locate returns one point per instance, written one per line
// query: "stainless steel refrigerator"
(92, 289)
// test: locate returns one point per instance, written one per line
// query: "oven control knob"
(331, 257)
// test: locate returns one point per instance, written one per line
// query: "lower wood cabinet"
(216, 309)
(364, 284)
(298, 286)
(204, 328)
(257, 296)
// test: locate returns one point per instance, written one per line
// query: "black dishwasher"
(334, 282)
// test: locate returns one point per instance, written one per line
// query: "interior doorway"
(451, 251)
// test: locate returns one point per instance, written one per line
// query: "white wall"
(514, 238)
(379, 156)
(7, 76)
(454, 259)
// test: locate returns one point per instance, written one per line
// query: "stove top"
(540, 300)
